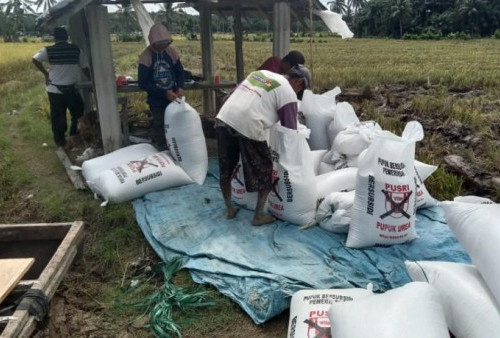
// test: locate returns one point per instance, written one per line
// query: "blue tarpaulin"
(261, 267)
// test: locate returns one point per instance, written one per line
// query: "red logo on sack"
(396, 201)
(318, 325)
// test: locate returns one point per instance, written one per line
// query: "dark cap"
(301, 72)
(60, 34)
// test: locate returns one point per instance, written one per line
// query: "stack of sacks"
(318, 111)
(411, 311)
(334, 211)
(293, 194)
(477, 228)
(186, 140)
(469, 306)
(309, 310)
(136, 178)
(384, 205)
(351, 142)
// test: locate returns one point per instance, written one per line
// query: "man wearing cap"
(65, 71)
(261, 100)
(161, 75)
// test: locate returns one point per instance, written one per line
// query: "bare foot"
(264, 219)
(231, 212)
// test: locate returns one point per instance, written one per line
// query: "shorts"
(255, 157)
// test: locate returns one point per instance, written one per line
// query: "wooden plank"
(22, 324)
(74, 177)
(238, 44)
(281, 29)
(11, 272)
(207, 55)
(104, 77)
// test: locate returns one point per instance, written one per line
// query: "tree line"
(432, 18)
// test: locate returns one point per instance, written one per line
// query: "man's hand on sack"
(171, 96)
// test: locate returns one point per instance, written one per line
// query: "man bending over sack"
(256, 105)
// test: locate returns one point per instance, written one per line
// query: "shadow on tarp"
(261, 267)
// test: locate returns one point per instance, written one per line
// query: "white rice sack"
(473, 199)
(356, 138)
(334, 212)
(469, 306)
(318, 111)
(384, 206)
(91, 169)
(186, 140)
(411, 311)
(293, 195)
(309, 310)
(344, 117)
(335, 181)
(477, 227)
(239, 194)
(139, 177)
(317, 156)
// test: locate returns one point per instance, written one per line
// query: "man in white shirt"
(260, 101)
(64, 72)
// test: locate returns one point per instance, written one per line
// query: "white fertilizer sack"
(139, 177)
(469, 306)
(309, 310)
(411, 311)
(186, 140)
(334, 212)
(293, 194)
(477, 228)
(91, 169)
(384, 207)
(239, 194)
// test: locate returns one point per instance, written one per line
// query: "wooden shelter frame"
(89, 29)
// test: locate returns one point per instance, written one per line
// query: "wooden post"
(207, 56)
(238, 44)
(78, 31)
(104, 76)
(281, 29)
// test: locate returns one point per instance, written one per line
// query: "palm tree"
(356, 4)
(14, 12)
(401, 10)
(338, 6)
(470, 12)
(46, 4)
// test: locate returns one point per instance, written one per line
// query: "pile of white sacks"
(346, 175)
(131, 172)
(444, 296)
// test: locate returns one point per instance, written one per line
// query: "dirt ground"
(76, 311)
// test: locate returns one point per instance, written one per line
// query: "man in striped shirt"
(65, 71)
